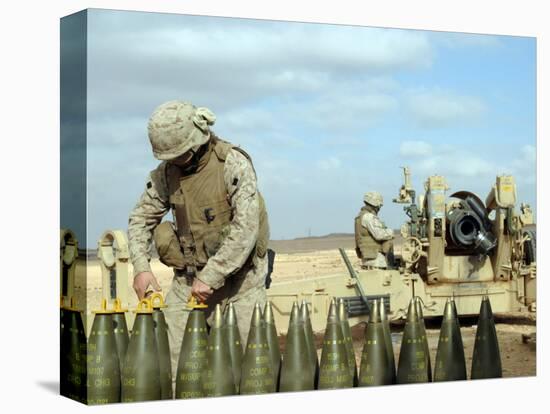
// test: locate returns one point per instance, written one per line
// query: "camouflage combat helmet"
(373, 198)
(176, 126)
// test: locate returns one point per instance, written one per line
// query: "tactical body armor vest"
(201, 208)
(366, 246)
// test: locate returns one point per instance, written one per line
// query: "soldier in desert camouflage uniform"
(218, 241)
(373, 240)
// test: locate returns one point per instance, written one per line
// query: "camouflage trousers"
(243, 296)
(379, 262)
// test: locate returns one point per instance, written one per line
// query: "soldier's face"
(185, 158)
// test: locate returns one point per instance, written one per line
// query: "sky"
(327, 112)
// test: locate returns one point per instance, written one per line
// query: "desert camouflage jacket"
(241, 185)
(376, 227)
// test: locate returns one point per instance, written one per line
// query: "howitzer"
(358, 285)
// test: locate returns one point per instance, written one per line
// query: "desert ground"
(306, 258)
(311, 257)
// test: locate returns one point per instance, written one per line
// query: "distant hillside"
(298, 245)
(326, 236)
(308, 244)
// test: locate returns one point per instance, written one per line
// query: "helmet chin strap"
(376, 209)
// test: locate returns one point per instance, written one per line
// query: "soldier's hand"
(142, 282)
(201, 290)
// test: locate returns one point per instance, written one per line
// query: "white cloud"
(344, 143)
(529, 154)
(330, 163)
(372, 49)
(438, 108)
(342, 111)
(413, 149)
(471, 165)
(466, 168)
(524, 167)
(123, 131)
(142, 59)
(525, 160)
(156, 34)
(462, 40)
(293, 80)
(381, 84)
(302, 99)
(247, 119)
(444, 160)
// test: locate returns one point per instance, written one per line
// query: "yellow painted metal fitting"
(193, 304)
(157, 300)
(72, 305)
(103, 310)
(118, 306)
(144, 303)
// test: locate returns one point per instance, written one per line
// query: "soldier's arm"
(146, 215)
(376, 228)
(240, 181)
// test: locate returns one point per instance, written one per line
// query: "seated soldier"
(373, 240)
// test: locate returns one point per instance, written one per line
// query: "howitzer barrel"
(352, 273)
(469, 226)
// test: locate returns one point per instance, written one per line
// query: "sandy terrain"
(306, 258)
(311, 244)
(518, 358)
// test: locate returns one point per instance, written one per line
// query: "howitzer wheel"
(411, 250)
